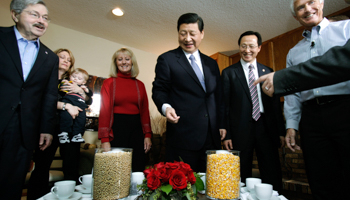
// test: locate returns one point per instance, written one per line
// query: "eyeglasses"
(36, 15)
(248, 46)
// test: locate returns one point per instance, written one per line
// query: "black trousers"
(325, 139)
(67, 123)
(38, 184)
(196, 159)
(266, 153)
(70, 153)
(127, 131)
(14, 160)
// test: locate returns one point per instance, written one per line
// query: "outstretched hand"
(267, 86)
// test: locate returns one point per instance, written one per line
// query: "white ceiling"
(150, 25)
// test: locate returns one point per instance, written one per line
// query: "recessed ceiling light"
(118, 12)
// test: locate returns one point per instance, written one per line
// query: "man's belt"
(324, 100)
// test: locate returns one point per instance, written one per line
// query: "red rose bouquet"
(170, 181)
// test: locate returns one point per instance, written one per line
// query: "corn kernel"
(223, 176)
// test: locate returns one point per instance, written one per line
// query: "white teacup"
(136, 179)
(86, 181)
(63, 189)
(263, 191)
(250, 182)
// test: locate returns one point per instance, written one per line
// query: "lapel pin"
(263, 70)
(46, 52)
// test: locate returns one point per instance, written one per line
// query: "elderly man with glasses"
(28, 82)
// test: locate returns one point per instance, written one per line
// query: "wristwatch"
(64, 106)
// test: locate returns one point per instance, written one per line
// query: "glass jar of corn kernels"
(223, 174)
(111, 173)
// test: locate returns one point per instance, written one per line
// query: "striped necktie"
(254, 94)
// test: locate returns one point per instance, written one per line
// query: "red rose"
(185, 168)
(178, 180)
(171, 167)
(162, 174)
(159, 165)
(147, 171)
(191, 178)
(153, 181)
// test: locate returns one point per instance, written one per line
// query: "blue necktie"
(198, 72)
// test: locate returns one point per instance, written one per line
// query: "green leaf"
(163, 198)
(166, 188)
(194, 189)
(191, 194)
(199, 184)
(188, 196)
(181, 159)
(153, 196)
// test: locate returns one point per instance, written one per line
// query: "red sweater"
(130, 97)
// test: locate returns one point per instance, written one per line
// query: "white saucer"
(75, 196)
(130, 197)
(201, 191)
(275, 198)
(82, 189)
(272, 197)
(50, 196)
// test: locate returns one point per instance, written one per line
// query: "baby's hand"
(63, 85)
(86, 89)
(66, 82)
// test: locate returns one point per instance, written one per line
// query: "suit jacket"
(177, 84)
(37, 96)
(239, 107)
(330, 68)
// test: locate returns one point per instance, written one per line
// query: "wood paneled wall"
(273, 52)
(222, 60)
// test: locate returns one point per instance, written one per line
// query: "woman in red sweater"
(124, 119)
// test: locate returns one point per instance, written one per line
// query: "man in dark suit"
(255, 120)
(187, 84)
(28, 81)
(330, 68)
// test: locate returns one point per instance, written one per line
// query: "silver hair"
(19, 5)
(292, 6)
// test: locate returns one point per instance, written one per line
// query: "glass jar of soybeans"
(112, 173)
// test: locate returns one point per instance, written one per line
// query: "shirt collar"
(19, 37)
(245, 64)
(319, 28)
(195, 54)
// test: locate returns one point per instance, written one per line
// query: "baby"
(69, 127)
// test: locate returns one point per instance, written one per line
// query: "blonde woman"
(124, 116)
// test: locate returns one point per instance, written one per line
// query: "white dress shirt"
(245, 66)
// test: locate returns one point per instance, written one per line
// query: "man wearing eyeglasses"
(28, 92)
(255, 119)
(321, 114)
